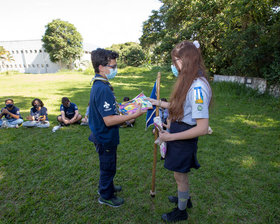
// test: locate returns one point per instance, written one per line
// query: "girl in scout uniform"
(188, 112)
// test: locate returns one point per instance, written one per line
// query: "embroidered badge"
(106, 106)
(198, 97)
(199, 108)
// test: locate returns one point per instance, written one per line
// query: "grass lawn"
(50, 177)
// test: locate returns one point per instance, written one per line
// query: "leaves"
(63, 42)
(237, 37)
(5, 55)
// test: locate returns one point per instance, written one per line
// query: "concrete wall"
(252, 82)
(30, 57)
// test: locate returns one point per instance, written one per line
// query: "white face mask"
(112, 74)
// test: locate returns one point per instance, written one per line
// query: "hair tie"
(196, 44)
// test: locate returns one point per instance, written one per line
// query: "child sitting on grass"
(12, 115)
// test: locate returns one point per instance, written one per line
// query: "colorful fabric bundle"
(131, 106)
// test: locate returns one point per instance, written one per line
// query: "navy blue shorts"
(181, 154)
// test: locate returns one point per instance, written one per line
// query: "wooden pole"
(153, 192)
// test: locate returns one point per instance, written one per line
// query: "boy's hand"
(5, 111)
(139, 112)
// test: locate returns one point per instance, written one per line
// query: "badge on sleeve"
(198, 97)
(106, 106)
(199, 108)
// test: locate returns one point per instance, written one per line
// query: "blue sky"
(101, 23)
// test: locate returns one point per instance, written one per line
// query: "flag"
(151, 113)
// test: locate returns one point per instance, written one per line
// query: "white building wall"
(30, 57)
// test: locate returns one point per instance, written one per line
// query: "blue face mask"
(174, 70)
(9, 105)
(112, 73)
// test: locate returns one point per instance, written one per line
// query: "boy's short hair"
(9, 99)
(65, 100)
(102, 57)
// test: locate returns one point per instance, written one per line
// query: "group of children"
(69, 114)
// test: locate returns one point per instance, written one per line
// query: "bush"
(130, 54)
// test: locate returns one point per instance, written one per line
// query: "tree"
(237, 37)
(130, 54)
(5, 55)
(63, 42)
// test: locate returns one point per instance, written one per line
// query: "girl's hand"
(153, 101)
(165, 136)
(29, 117)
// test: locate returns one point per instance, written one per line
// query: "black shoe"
(174, 199)
(175, 216)
(113, 202)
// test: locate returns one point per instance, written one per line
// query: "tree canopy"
(5, 55)
(63, 42)
(237, 37)
(130, 54)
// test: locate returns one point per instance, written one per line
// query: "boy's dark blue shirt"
(14, 111)
(102, 104)
(39, 114)
(69, 111)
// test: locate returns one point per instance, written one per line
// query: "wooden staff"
(153, 192)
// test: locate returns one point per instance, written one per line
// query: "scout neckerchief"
(111, 87)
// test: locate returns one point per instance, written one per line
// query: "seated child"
(12, 115)
(85, 119)
(69, 113)
(38, 115)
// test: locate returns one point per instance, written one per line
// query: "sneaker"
(174, 199)
(113, 202)
(117, 188)
(4, 124)
(175, 215)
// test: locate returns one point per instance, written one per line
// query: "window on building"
(40, 51)
(11, 66)
(17, 51)
(47, 65)
(33, 65)
(30, 51)
(21, 51)
(29, 66)
(13, 52)
(24, 66)
(37, 65)
(26, 51)
(42, 65)
(19, 65)
(35, 51)
(15, 66)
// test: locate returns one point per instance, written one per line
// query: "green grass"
(50, 177)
